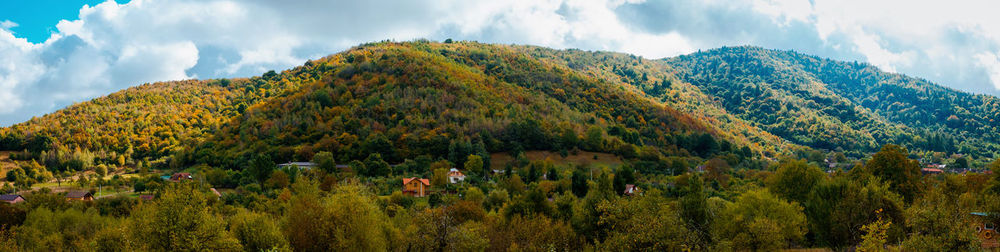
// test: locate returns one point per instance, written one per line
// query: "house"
(985, 229)
(146, 197)
(416, 187)
(301, 165)
(455, 176)
(79, 195)
(631, 189)
(216, 192)
(931, 171)
(11, 198)
(180, 176)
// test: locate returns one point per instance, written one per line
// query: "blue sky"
(58, 52)
(36, 19)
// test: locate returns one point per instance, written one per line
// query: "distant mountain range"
(447, 100)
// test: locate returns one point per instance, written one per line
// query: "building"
(216, 192)
(986, 230)
(11, 198)
(631, 189)
(146, 197)
(455, 176)
(301, 165)
(79, 195)
(416, 187)
(180, 176)
(931, 171)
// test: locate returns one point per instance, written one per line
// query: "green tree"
(179, 220)
(474, 163)
(377, 167)
(325, 161)
(758, 220)
(794, 179)
(892, 166)
(347, 220)
(257, 232)
(594, 138)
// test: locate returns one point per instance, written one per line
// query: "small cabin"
(180, 176)
(985, 229)
(11, 198)
(416, 187)
(630, 190)
(455, 176)
(80, 196)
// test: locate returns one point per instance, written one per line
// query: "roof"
(931, 170)
(9, 197)
(630, 188)
(216, 192)
(423, 181)
(299, 164)
(78, 194)
(455, 173)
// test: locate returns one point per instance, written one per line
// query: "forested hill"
(399, 101)
(448, 100)
(831, 104)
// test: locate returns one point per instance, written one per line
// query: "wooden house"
(11, 198)
(79, 195)
(416, 187)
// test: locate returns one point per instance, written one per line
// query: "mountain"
(401, 100)
(829, 104)
(448, 100)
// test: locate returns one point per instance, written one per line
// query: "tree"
(645, 224)
(257, 232)
(439, 178)
(594, 138)
(101, 170)
(758, 220)
(623, 176)
(347, 220)
(325, 161)
(875, 236)
(474, 163)
(794, 179)
(578, 183)
(377, 167)
(180, 220)
(261, 167)
(892, 165)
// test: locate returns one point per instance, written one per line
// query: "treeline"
(884, 203)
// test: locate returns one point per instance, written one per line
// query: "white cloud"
(991, 63)
(7, 24)
(112, 46)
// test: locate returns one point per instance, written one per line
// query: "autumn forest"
(467, 146)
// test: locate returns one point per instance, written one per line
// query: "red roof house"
(415, 186)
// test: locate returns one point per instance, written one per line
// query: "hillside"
(401, 100)
(405, 100)
(829, 104)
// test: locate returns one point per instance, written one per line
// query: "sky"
(59, 52)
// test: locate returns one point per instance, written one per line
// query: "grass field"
(501, 159)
